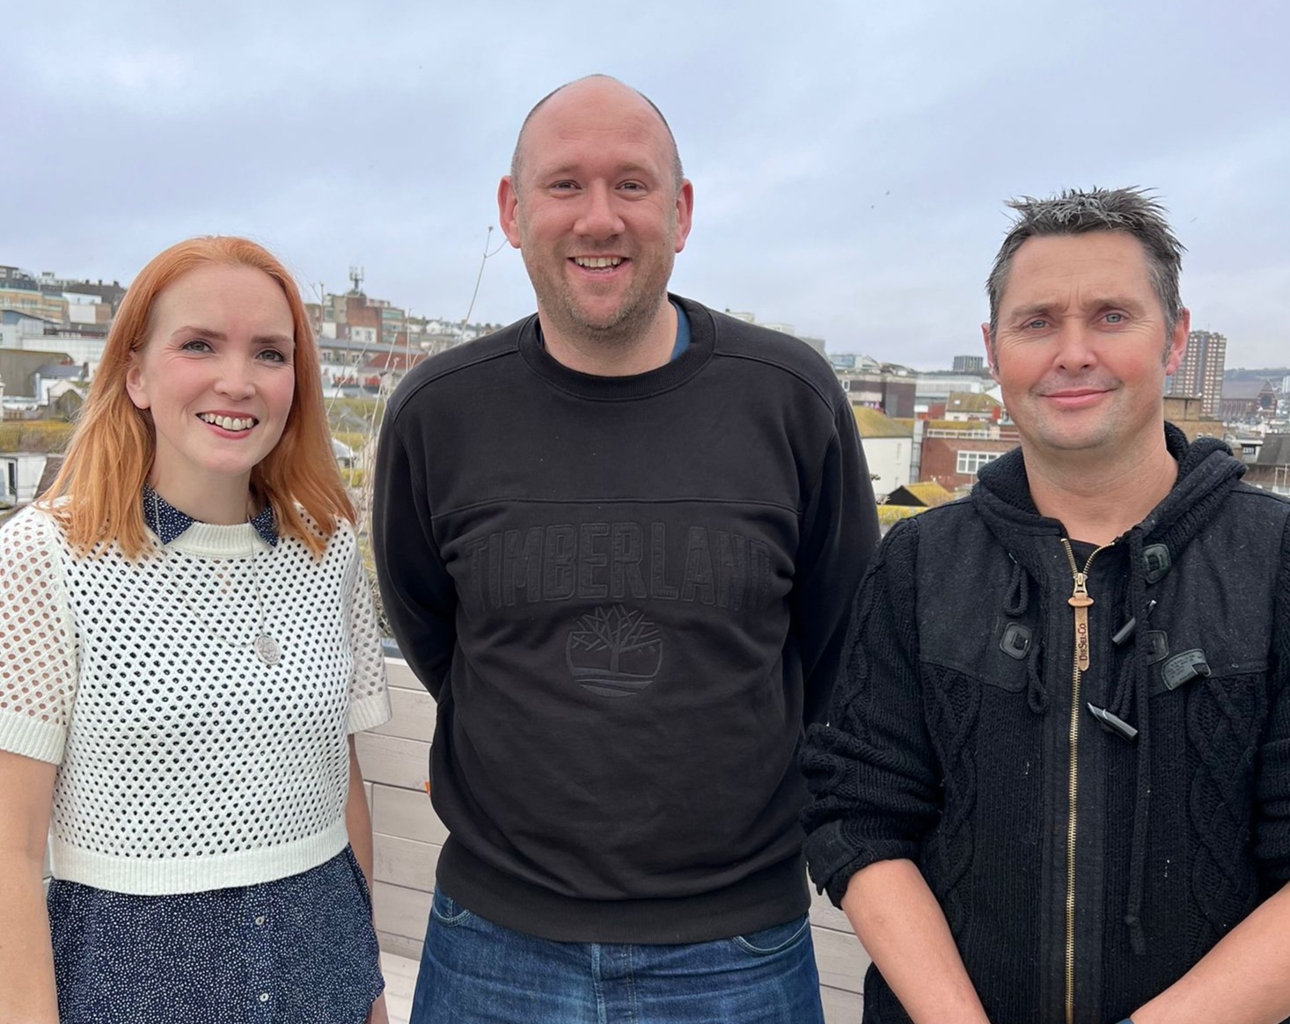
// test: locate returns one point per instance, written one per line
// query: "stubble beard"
(622, 327)
(619, 328)
(1054, 432)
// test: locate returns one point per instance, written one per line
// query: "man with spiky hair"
(617, 542)
(1056, 784)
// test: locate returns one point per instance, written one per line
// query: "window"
(970, 462)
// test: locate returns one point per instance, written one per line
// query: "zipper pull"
(1080, 601)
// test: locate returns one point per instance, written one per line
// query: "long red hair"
(112, 448)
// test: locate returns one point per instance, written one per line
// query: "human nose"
(236, 377)
(1075, 349)
(599, 218)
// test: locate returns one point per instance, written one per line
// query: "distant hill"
(1240, 373)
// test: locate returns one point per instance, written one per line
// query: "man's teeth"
(227, 422)
(597, 262)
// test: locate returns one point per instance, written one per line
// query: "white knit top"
(185, 761)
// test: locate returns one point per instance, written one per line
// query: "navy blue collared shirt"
(167, 522)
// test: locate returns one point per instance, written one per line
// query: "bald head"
(595, 91)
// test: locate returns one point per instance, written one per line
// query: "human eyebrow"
(1030, 311)
(1118, 302)
(285, 340)
(552, 174)
(192, 331)
(201, 332)
(633, 170)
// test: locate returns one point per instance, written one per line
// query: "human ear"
(684, 213)
(508, 202)
(134, 384)
(989, 352)
(1177, 342)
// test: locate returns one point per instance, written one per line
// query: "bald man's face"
(597, 213)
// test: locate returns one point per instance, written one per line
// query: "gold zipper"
(1080, 603)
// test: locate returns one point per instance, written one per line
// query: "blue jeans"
(477, 972)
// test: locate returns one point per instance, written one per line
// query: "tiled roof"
(875, 423)
(1275, 450)
(968, 401)
(1244, 389)
(399, 362)
(928, 494)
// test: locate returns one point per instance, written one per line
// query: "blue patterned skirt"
(296, 950)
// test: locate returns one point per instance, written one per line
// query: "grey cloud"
(850, 161)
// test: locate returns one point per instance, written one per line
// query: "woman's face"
(217, 373)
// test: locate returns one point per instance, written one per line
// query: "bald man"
(618, 542)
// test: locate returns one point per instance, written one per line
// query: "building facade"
(1201, 371)
(888, 449)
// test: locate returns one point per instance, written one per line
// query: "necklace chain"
(263, 644)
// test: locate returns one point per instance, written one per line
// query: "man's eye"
(561, 186)
(1037, 324)
(1115, 318)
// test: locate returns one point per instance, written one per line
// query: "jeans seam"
(742, 943)
(602, 1009)
(453, 920)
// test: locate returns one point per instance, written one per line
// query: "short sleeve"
(369, 697)
(38, 664)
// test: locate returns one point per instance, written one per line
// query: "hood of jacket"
(1207, 472)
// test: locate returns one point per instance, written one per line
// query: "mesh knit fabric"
(185, 761)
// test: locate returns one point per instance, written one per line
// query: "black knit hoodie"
(952, 727)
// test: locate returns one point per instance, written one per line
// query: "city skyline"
(1187, 378)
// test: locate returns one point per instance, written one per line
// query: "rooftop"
(875, 423)
(926, 495)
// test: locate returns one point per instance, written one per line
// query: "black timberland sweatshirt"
(626, 595)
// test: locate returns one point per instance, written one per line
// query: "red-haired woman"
(187, 644)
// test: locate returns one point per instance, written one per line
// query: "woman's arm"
(358, 821)
(27, 993)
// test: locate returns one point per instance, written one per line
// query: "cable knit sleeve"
(38, 666)
(1272, 821)
(872, 771)
(369, 697)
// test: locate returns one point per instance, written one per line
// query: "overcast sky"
(850, 160)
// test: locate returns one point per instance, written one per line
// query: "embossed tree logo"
(614, 651)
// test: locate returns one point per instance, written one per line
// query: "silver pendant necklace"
(266, 648)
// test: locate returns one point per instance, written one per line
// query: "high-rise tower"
(1201, 370)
